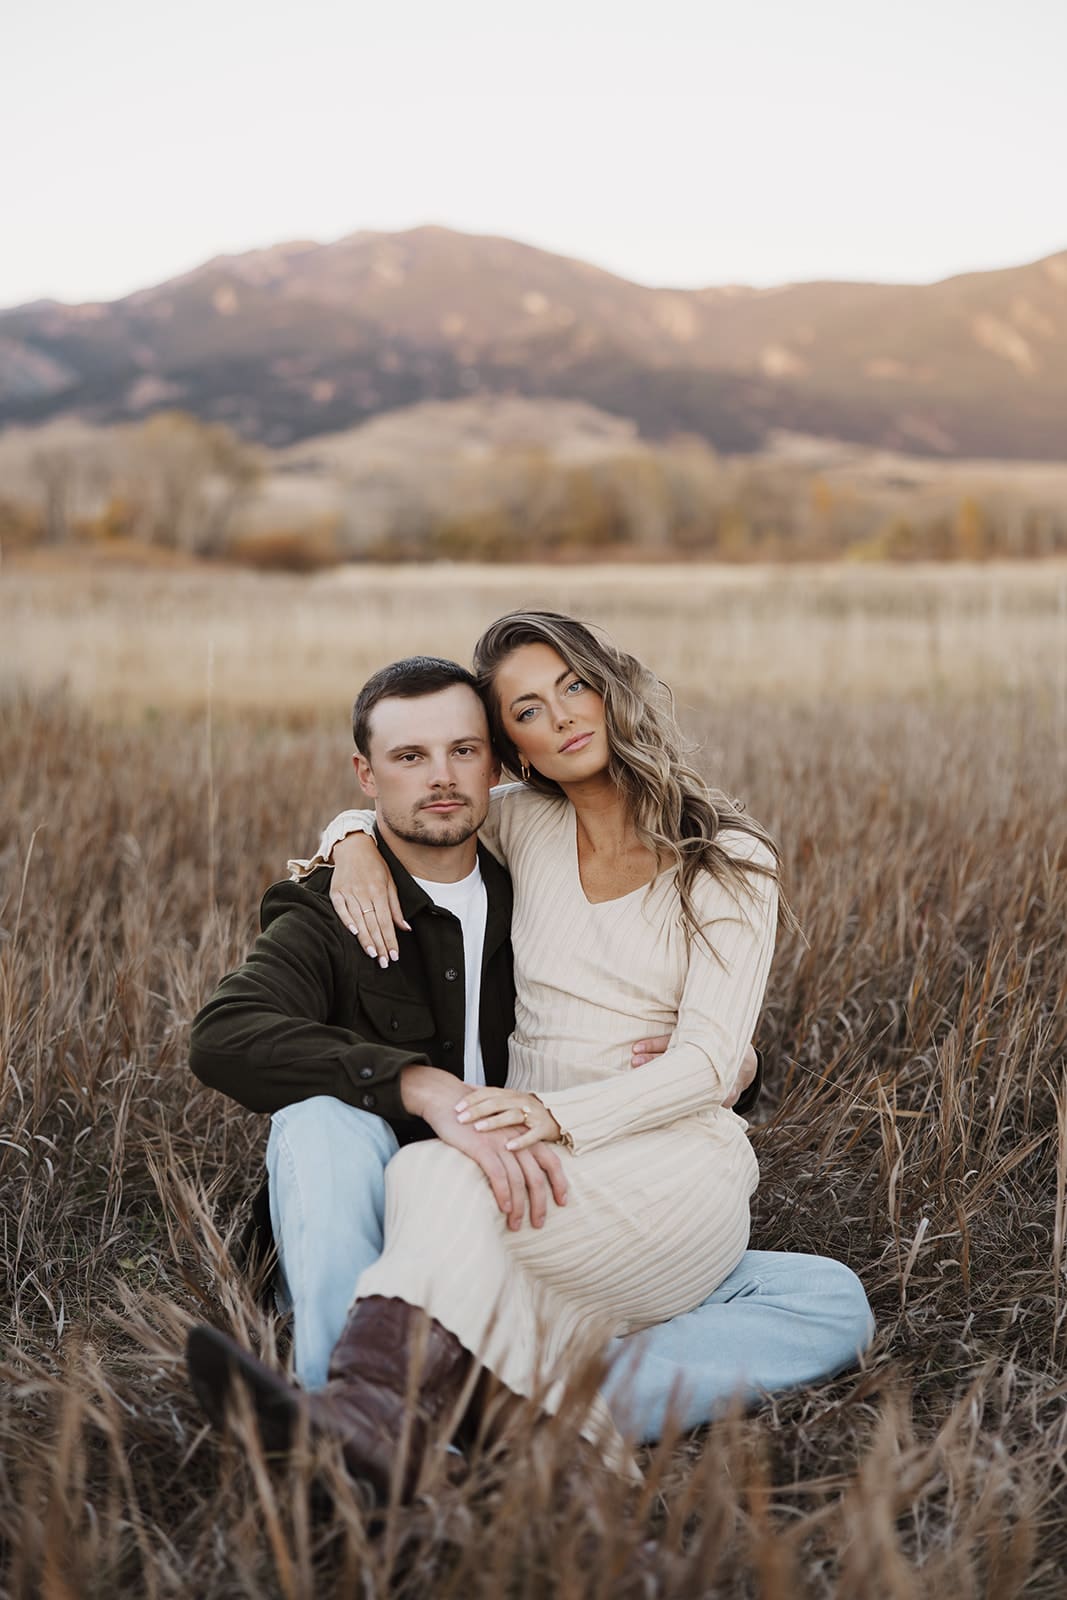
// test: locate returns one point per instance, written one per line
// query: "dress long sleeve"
(720, 1002)
(338, 828)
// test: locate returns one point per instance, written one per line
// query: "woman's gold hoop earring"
(524, 769)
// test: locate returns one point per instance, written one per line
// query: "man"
(354, 1055)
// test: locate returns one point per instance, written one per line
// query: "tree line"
(177, 483)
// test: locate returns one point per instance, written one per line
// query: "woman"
(644, 902)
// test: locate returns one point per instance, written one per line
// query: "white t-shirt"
(468, 901)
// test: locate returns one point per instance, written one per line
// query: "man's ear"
(365, 775)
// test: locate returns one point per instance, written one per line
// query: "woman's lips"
(579, 742)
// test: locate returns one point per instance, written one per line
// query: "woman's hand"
(507, 1108)
(365, 898)
(518, 1178)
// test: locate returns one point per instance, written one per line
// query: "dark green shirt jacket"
(310, 1013)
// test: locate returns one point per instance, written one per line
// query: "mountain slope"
(304, 339)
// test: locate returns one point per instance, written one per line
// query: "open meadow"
(170, 736)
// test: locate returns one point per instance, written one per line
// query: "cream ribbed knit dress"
(660, 1175)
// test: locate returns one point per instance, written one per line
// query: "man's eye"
(410, 756)
(465, 750)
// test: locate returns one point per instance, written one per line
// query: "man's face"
(430, 766)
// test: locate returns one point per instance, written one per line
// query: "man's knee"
(326, 1166)
(846, 1301)
(824, 1292)
(322, 1126)
(830, 1293)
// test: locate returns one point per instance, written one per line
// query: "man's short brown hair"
(409, 679)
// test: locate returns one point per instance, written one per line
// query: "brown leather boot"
(396, 1379)
(389, 1353)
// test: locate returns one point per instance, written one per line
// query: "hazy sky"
(675, 142)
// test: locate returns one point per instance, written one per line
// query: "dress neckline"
(616, 900)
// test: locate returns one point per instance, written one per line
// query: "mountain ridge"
(300, 338)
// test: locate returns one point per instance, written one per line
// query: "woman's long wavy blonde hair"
(676, 814)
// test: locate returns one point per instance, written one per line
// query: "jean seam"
(293, 1187)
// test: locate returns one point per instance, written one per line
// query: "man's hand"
(515, 1176)
(646, 1050)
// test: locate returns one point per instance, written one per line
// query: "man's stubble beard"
(412, 828)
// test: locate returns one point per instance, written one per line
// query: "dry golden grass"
(916, 1123)
(130, 640)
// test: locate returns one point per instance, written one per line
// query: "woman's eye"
(577, 684)
(524, 716)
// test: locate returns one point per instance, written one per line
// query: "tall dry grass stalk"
(915, 1126)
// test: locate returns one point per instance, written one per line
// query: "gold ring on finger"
(525, 1114)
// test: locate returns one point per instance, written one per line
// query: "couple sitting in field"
(473, 1172)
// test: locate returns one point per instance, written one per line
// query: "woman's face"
(555, 720)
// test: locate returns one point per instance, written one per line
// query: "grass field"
(168, 740)
(168, 640)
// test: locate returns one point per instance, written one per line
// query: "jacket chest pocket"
(397, 1017)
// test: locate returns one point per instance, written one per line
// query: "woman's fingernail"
(512, 1144)
(394, 955)
(460, 1105)
(481, 1126)
(370, 951)
(406, 926)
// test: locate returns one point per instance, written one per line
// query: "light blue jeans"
(779, 1320)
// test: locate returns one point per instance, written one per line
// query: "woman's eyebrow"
(568, 672)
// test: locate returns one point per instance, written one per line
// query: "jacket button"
(393, 1023)
(446, 1045)
(367, 1100)
(451, 974)
(366, 1072)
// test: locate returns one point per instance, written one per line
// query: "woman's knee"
(431, 1166)
(431, 1180)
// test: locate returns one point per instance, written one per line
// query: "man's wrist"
(417, 1084)
(413, 1089)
